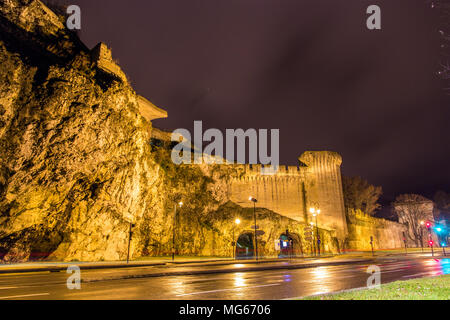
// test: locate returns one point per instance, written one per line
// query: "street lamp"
(173, 228)
(315, 212)
(254, 216)
(233, 243)
(130, 234)
(313, 244)
(430, 237)
(422, 223)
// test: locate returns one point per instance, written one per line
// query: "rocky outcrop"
(76, 165)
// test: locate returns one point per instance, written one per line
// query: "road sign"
(253, 227)
(260, 233)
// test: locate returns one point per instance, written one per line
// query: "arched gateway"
(290, 245)
(244, 246)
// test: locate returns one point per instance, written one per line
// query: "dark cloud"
(309, 68)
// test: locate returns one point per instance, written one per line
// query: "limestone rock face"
(76, 162)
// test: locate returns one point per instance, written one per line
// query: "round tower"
(324, 189)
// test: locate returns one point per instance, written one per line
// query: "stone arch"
(245, 246)
(290, 245)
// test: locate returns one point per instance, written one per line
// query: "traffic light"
(431, 242)
(428, 224)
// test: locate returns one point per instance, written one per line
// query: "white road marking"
(25, 296)
(212, 291)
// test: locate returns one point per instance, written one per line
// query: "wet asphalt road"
(253, 285)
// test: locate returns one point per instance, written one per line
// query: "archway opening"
(244, 246)
(290, 245)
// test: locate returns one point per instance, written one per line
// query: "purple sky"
(309, 68)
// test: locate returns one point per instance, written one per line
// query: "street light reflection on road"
(240, 284)
(177, 287)
(239, 280)
(320, 273)
(319, 276)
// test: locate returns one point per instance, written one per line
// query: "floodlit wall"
(386, 234)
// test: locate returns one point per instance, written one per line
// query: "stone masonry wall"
(386, 234)
(293, 190)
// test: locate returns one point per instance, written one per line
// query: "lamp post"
(130, 234)
(173, 229)
(315, 212)
(234, 242)
(422, 223)
(430, 237)
(254, 216)
(313, 249)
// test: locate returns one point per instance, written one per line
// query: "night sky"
(309, 68)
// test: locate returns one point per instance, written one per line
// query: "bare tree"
(359, 194)
(413, 210)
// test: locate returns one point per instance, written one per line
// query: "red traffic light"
(431, 242)
(428, 224)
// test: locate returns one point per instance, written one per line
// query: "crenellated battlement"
(266, 172)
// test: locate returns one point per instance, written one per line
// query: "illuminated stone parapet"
(102, 56)
(324, 189)
(149, 111)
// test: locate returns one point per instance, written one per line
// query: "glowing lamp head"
(252, 199)
(180, 204)
(422, 222)
(237, 221)
(312, 210)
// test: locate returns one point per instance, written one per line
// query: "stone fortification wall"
(386, 234)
